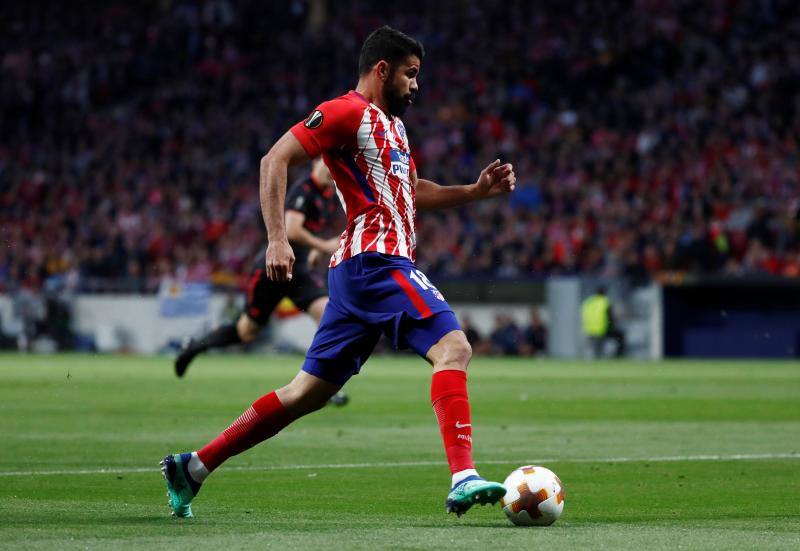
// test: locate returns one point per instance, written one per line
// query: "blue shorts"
(373, 294)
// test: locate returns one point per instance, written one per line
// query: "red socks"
(264, 419)
(267, 417)
(451, 404)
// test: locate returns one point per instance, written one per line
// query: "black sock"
(224, 335)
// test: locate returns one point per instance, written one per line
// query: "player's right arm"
(286, 152)
(332, 124)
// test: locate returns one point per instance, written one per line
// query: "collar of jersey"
(365, 100)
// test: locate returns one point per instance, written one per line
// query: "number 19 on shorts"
(424, 283)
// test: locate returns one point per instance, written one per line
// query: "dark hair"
(387, 44)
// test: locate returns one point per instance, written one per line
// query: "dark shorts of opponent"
(263, 294)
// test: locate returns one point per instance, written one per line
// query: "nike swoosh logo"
(460, 426)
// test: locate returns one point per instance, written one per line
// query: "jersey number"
(421, 280)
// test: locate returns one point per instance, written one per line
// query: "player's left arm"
(494, 180)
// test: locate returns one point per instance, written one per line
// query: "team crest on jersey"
(314, 119)
(401, 129)
(400, 161)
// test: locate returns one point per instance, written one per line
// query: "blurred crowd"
(507, 337)
(648, 136)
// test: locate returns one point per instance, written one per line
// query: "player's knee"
(458, 351)
(289, 395)
(300, 399)
(248, 335)
(247, 329)
(300, 403)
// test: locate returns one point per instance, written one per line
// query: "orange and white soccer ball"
(534, 496)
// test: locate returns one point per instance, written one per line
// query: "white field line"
(325, 466)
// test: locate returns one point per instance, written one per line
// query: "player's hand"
(496, 179)
(280, 261)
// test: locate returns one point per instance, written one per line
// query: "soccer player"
(311, 207)
(374, 285)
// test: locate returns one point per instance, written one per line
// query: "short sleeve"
(411, 164)
(331, 125)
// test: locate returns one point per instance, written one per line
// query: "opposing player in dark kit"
(375, 288)
(311, 207)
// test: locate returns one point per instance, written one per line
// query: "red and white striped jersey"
(369, 158)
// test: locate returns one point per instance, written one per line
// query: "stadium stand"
(132, 134)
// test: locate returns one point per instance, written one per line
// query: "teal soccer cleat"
(473, 490)
(181, 488)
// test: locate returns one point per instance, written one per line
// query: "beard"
(396, 102)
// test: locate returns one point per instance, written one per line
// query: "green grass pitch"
(694, 455)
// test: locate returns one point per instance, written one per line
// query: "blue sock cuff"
(185, 457)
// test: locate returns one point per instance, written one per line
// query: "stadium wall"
(698, 317)
(716, 317)
(134, 322)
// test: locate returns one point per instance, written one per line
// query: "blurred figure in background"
(506, 337)
(479, 344)
(311, 206)
(29, 308)
(598, 323)
(534, 337)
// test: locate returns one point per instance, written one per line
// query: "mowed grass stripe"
(403, 464)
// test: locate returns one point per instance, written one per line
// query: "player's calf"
(305, 394)
(222, 336)
(450, 357)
